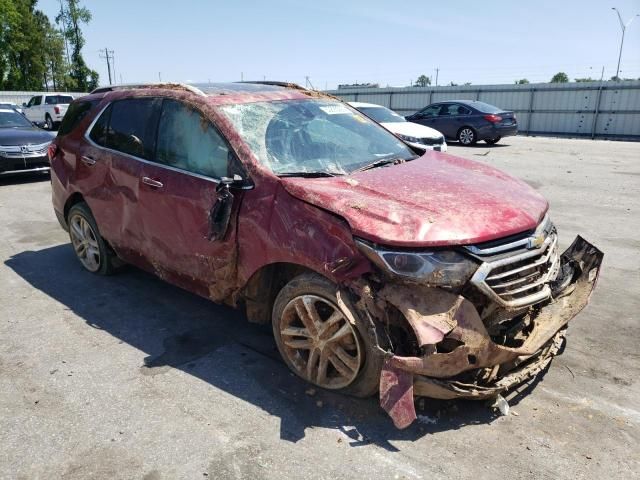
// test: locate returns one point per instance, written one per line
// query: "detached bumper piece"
(477, 367)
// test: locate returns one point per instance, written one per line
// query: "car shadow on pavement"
(176, 329)
(18, 179)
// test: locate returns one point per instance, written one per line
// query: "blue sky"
(392, 43)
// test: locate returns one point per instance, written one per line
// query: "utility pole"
(242, 76)
(160, 77)
(623, 26)
(437, 71)
(108, 55)
(308, 83)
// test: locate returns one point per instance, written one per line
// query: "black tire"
(492, 141)
(107, 261)
(467, 136)
(323, 294)
(48, 122)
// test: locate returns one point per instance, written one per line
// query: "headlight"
(437, 268)
(408, 138)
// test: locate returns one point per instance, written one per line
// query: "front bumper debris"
(494, 368)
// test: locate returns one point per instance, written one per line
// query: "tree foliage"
(522, 81)
(32, 49)
(71, 19)
(423, 81)
(560, 77)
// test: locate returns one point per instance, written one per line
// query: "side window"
(37, 100)
(455, 109)
(132, 126)
(99, 131)
(76, 112)
(31, 102)
(187, 140)
(431, 111)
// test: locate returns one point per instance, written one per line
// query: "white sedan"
(412, 133)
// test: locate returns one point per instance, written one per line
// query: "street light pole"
(623, 26)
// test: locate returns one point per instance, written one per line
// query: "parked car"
(23, 147)
(47, 110)
(467, 121)
(425, 275)
(11, 105)
(412, 133)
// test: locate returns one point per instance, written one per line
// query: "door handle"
(88, 160)
(151, 182)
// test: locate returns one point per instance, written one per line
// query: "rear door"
(177, 197)
(109, 170)
(452, 117)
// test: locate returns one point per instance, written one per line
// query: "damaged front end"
(460, 333)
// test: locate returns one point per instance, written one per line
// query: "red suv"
(380, 266)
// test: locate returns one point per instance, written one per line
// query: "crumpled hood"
(437, 199)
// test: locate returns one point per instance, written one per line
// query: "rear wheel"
(467, 136)
(90, 248)
(318, 340)
(492, 141)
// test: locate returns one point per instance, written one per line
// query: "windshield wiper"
(380, 163)
(308, 174)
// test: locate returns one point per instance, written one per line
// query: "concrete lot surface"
(126, 377)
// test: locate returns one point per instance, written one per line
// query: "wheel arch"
(260, 291)
(73, 199)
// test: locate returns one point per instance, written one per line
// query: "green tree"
(27, 47)
(522, 81)
(560, 77)
(584, 79)
(82, 77)
(423, 81)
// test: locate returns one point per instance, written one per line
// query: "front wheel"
(318, 340)
(467, 136)
(48, 122)
(492, 141)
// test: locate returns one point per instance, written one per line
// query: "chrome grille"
(517, 273)
(24, 151)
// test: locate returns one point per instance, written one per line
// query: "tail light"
(492, 118)
(51, 151)
(57, 110)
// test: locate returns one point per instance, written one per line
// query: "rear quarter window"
(75, 114)
(58, 99)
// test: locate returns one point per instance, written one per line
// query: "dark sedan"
(23, 147)
(467, 121)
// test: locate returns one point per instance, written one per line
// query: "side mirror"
(220, 214)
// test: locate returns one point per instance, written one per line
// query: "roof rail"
(168, 85)
(276, 83)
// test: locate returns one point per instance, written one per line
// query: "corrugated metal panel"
(567, 109)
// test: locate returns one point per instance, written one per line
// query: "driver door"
(180, 193)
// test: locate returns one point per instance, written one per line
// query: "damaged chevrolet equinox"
(381, 267)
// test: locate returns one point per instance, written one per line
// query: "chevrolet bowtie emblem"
(535, 241)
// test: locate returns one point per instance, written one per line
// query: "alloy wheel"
(85, 242)
(320, 343)
(466, 136)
